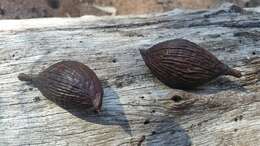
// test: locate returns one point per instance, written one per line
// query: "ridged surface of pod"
(182, 64)
(69, 84)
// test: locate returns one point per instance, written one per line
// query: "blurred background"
(21, 9)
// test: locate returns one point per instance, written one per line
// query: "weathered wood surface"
(137, 108)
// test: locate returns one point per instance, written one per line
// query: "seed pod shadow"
(111, 114)
(168, 132)
(221, 84)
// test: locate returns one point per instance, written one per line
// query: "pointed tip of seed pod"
(142, 52)
(24, 77)
(234, 72)
(98, 110)
(97, 102)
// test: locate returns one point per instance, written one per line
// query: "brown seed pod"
(69, 84)
(183, 64)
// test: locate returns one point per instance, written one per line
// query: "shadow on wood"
(169, 132)
(107, 116)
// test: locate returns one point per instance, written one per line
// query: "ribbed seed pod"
(69, 84)
(183, 64)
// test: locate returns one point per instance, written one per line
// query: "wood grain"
(137, 109)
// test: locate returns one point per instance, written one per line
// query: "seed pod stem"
(97, 111)
(25, 77)
(233, 72)
(97, 103)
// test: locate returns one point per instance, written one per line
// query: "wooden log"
(137, 108)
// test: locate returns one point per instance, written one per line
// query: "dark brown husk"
(69, 84)
(183, 64)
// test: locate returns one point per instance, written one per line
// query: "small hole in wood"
(147, 121)
(253, 53)
(240, 117)
(119, 84)
(153, 132)
(142, 97)
(114, 60)
(36, 99)
(153, 111)
(176, 98)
